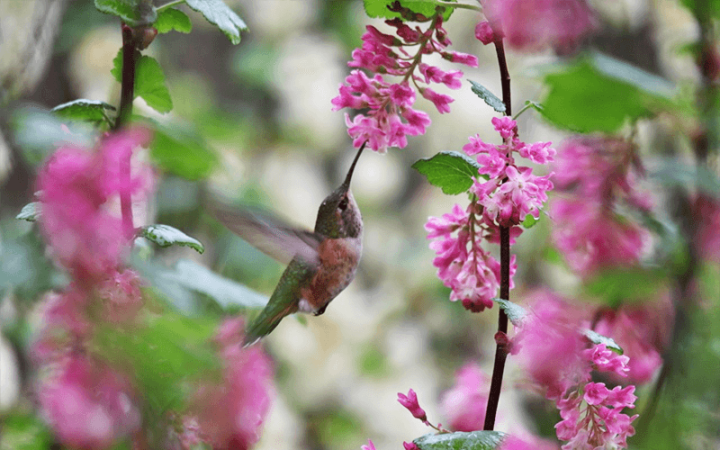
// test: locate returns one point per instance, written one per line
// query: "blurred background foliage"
(254, 122)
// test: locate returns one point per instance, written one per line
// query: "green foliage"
(474, 440)
(489, 98)
(597, 338)
(219, 14)
(379, 8)
(180, 151)
(674, 172)
(29, 212)
(165, 236)
(618, 286)
(24, 432)
(132, 12)
(530, 221)
(703, 8)
(166, 353)
(453, 172)
(599, 93)
(24, 270)
(91, 110)
(149, 82)
(172, 19)
(515, 312)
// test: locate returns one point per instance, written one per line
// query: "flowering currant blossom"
(410, 401)
(529, 25)
(229, 414)
(553, 353)
(503, 195)
(595, 174)
(389, 117)
(464, 405)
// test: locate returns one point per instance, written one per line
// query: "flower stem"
(127, 94)
(500, 350)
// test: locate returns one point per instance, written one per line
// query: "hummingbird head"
(339, 215)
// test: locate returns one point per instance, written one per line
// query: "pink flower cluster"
(229, 414)
(595, 174)
(390, 117)
(510, 193)
(554, 355)
(464, 405)
(530, 25)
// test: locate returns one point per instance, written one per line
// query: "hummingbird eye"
(343, 203)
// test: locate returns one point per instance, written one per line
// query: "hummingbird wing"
(268, 234)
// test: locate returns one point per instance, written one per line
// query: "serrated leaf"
(83, 109)
(530, 221)
(149, 81)
(132, 12)
(172, 19)
(474, 440)
(29, 212)
(219, 14)
(489, 98)
(453, 172)
(597, 338)
(225, 292)
(24, 432)
(165, 236)
(515, 312)
(150, 85)
(599, 93)
(379, 8)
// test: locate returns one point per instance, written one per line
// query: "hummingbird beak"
(346, 184)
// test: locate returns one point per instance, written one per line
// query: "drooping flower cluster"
(530, 25)
(509, 194)
(389, 117)
(229, 414)
(464, 405)
(554, 354)
(595, 174)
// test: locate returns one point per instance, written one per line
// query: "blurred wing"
(268, 234)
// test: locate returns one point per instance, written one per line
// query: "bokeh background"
(263, 107)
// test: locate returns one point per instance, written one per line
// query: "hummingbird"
(321, 263)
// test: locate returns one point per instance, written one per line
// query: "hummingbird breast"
(339, 260)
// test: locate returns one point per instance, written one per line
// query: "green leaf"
(703, 8)
(379, 8)
(530, 221)
(82, 109)
(180, 151)
(24, 269)
(24, 432)
(132, 12)
(599, 93)
(515, 312)
(225, 292)
(615, 287)
(29, 212)
(149, 81)
(150, 85)
(674, 172)
(165, 236)
(474, 440)
(172, 19)
(597, 338)
(453, 172)
(489, 98)
(164, 353)
(219, 14)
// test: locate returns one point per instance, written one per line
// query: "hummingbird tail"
(268, 319)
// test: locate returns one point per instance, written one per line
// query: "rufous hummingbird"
(321, 263)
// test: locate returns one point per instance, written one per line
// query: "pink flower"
(484, 32)
(606, 360)
(529, 25)
(88, 405)
(505, 126)
(410, 402)
(441, 101)
(461, 58)
(75, 185)
(231, 413)
(527, 443)
(121, 295)
(706, 213)
(369, 446)
(464, 405)
(410, 446)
